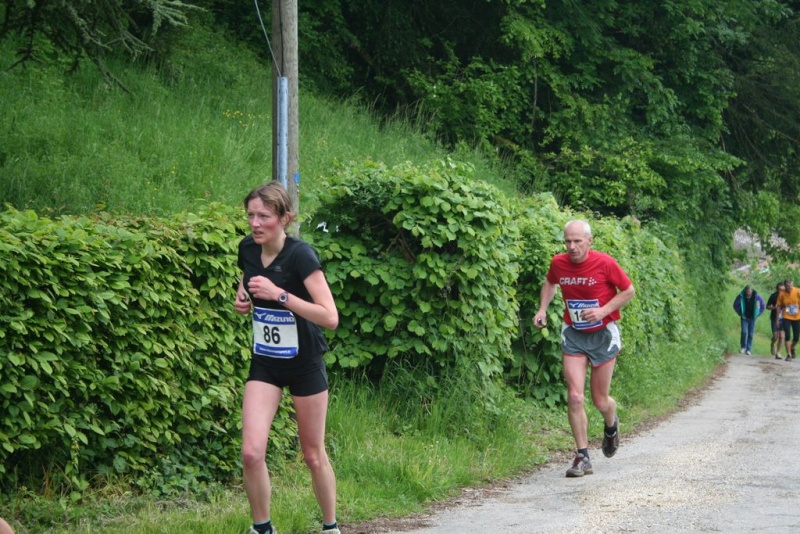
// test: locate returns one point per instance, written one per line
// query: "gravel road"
(727, 463)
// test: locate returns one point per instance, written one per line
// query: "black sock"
(326, 526)
(611, 430)
(263, 528)
(584, 452)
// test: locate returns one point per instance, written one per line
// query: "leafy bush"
(536, 368)
(122, 355)
(425, 260)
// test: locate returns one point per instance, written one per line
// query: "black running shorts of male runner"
(791, 329)
(600, 346)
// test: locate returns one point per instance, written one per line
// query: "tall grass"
(387, 464)
(199, 127)
(393, 455)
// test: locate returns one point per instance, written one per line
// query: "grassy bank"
(74, 144)
(387, 466)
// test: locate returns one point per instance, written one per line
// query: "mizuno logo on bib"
(575, 308)
(274, 333)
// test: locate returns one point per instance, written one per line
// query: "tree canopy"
(71, 30)
(663, 110)
(660, 110)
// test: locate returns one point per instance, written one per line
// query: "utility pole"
(286, 139)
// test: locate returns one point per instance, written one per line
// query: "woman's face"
(265, 224)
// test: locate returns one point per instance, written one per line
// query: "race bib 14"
(575, 308)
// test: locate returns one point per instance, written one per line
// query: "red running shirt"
(589, 284)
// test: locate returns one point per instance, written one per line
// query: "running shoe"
(580, 466)
(611, 443)
(748, 353)
(254, 531)
(778, 357)
(332, 531)
(741, 351)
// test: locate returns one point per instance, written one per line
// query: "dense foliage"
(660, 110)
(122, 356)
(425, 259)
(69, 31)
(653, 109)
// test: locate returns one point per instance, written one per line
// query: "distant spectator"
(748, 305)
(789, 305)
(776, 322)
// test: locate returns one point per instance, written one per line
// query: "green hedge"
(423, 264)
(121, 355)
(536, 367)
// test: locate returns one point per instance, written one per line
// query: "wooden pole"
(284, 31)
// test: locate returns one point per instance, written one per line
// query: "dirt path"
(729, 462)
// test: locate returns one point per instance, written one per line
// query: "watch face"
(283, 297)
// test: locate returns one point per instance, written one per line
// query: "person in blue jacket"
(748, 305)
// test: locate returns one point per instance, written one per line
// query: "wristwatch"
(283, 297)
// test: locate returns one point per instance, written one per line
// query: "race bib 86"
(274, 333)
